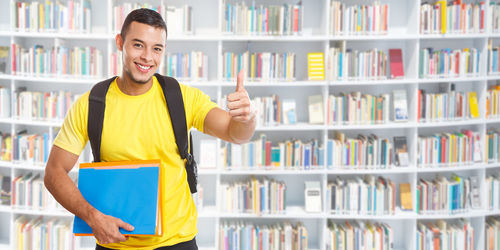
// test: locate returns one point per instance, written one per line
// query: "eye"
(138, 45)
(157, 49)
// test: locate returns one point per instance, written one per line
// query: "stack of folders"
(128, 190)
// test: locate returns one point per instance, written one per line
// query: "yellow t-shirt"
(139, 128)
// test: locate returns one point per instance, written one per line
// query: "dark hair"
(145, 16)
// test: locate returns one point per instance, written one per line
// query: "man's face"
(142, 51)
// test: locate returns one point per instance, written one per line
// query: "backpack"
(175, 105)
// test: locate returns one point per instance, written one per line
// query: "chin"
(139, 77)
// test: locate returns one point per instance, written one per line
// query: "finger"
(120, 238)
(241, 118)
(125, 226)
(239, 81)
(238, 112)
(242, 103)
(236, 96)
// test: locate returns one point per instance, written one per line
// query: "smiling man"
(137, 126)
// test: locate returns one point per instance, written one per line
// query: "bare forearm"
(241, 132)
(67, 194)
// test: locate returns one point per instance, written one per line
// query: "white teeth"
(143, 67)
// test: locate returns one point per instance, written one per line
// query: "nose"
(146, 55)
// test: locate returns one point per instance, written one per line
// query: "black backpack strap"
(97, 105)
(175, 104)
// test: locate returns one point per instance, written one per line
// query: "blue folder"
(125, 190)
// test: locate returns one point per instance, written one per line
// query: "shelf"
(56, 213)
(393, 170)
(272, 83)
(272, 172)
(492, 165)
(296, 127)
(59, 79)
(272, 38)
(450, 168)
(389, 125)
(5, 209)
(397, 216)
(453, 36)
(374, 37)
(466, 122)
(453, 79)
(291, 213)
(372, 82)
(437, 216)
(208, 212)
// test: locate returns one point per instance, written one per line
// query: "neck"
(131, 87)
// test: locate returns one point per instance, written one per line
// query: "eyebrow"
(138, 40)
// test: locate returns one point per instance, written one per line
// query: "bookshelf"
(403, 32)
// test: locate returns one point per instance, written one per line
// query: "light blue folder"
(130, 194)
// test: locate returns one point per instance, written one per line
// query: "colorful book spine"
(234, 235)
(29, 192)
(359, 235)
(493, 102)
(449, 62)
(494, 12)
(254, 196)
(455, 17)
(493, 56)
(116, 65)
(348, 64)
(57, 61)
(367, 196)
(32, 148)
(445, 195)
(240, 19)
(358, 108)
(5, 147)
(492, 233)
(492, 184)
(262, 154)
(449, 149)
(261, 66)
(187, 66)
(445, 235)
(42, 106)
(358, 19)
(492, 146)
(447, 106)
(43, 233)
(363, 152)
(52, 16)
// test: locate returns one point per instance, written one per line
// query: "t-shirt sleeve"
(197, 105)
(73, 134)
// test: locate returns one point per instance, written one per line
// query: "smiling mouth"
(143, 68)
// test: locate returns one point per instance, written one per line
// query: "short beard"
(135, 80)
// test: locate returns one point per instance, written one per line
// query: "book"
(401, 150)
(316, 66)
(208, 154)
(405, 196)
(474, 111)
(289, 113)
(4, 59)
(128, 190)
(5, 190)
(396, 61)
(312, 197)
(400, 106)
(315, 104)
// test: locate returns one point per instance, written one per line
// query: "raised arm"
(57, 181)
(237, 125)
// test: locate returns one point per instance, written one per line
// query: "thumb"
(125, 226)
(239, 81)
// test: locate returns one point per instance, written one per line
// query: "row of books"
(364, 196)
(445, 235)
(260, 153)
(449, 149)
(447, 106)
(192, 65)
(452, 17)
(359, 235)
(60, 61)
(358, 19)
(31, 148)
(257, 196)
(116, 63)
(448, 195)
(358, 108)
(5, 190)
(247, 236)
(492, 146)
(29, 192)
(178, 19)
(43, 234)
(364, 151)
(259, 66)
(353, 64)
(448, 62)
(5, 147)
(494, 12)
(493, 57)
(51, 16)
(42, 106)
(493, 102)
(492, 233)
(286, 19)
(492, 184)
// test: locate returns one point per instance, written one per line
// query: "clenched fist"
(239, 104)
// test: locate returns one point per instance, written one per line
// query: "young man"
(137, 127)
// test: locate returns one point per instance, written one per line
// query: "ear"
(119, 42)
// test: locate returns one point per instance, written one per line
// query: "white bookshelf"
(403, 33)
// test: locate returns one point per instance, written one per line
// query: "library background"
(378, 123)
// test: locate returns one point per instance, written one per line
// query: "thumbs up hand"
(239, 104)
